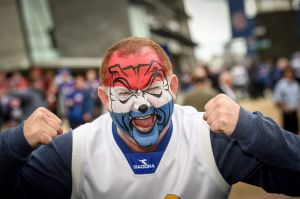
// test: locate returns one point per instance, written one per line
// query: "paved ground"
(242, 190)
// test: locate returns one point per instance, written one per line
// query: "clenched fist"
(41, 127)
(221, 114)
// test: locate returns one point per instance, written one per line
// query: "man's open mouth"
(144, 124)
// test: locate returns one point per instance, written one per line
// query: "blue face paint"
(141, 102)
(163, 117)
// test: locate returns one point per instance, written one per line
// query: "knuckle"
(218, 103)
(214, 128)
(222, 120)
(39, 114)
(40, 109)
(209, 122)
(51, 133)
(222, 95)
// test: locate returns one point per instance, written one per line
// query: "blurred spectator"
(65, 82)
(15, 113)
(52, 97)
(29, 99)
(185, 79)
(3, 97)
(263, 80)
(277, 71)
(93, 104)
(76, 102)
(37, 82)
(240, 80)
(17, 82)
(295, 63)
(201, 92)
(226, 84)
(286, 96)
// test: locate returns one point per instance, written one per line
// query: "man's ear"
(174, 85)
(103, 97)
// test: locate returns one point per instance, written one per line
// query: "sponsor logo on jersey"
(143, 165)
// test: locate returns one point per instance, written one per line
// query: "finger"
(60, 130)
(216, 128)
(205, 116)
(56, 125)
(209, 104)
(210, 111)
(49, 130)
(50, 115)
(212, 118)
(45, 139)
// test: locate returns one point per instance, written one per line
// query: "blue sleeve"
(42, 173)
(260, 153)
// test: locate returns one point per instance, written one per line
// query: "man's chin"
(145, 139)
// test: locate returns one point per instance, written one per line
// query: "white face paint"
(124, 100)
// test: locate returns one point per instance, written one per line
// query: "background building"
(271, 28)
(76, 33)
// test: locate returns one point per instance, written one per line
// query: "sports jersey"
(258, 152)
(186, 169)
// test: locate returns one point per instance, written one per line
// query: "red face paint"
(135, 71)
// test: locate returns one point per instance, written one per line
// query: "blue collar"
(143, 163)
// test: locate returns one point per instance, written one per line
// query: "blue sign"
(240, 25)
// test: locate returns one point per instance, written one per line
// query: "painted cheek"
(162, 100)
(118, 107)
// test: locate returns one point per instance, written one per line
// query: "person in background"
(277, 71)
(240, 79)
(25, 98)
(226, 84)
(76, 102)
(93, 105)
(65, 83)
(4, 99)
(201, 92)
(295, 64)
(286, 95)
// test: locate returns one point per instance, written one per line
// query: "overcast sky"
(209, 26)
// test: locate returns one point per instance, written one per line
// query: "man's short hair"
(129, 46)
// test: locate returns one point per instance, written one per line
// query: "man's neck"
(137, 148)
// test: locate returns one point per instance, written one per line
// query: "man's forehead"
(143, 56)
(136, 77)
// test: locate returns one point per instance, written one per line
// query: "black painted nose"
(143, 108)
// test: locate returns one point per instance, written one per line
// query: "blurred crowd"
(73, 98)
(248, 79)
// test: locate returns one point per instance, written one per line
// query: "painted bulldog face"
(140, 100)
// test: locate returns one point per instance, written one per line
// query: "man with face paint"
(148, 147)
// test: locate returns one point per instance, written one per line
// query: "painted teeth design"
(144, 117)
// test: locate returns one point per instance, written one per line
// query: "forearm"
(14, 151)
(264, 139)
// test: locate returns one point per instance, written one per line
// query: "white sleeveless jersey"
(187, 169)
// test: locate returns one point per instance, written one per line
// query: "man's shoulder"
(185, 109)
(187, 113)
(92, 129)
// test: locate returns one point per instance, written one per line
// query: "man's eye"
(125, 94)
(156, 88)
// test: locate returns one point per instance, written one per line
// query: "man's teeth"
(144, 117)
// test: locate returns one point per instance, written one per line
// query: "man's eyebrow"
(123, 82)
